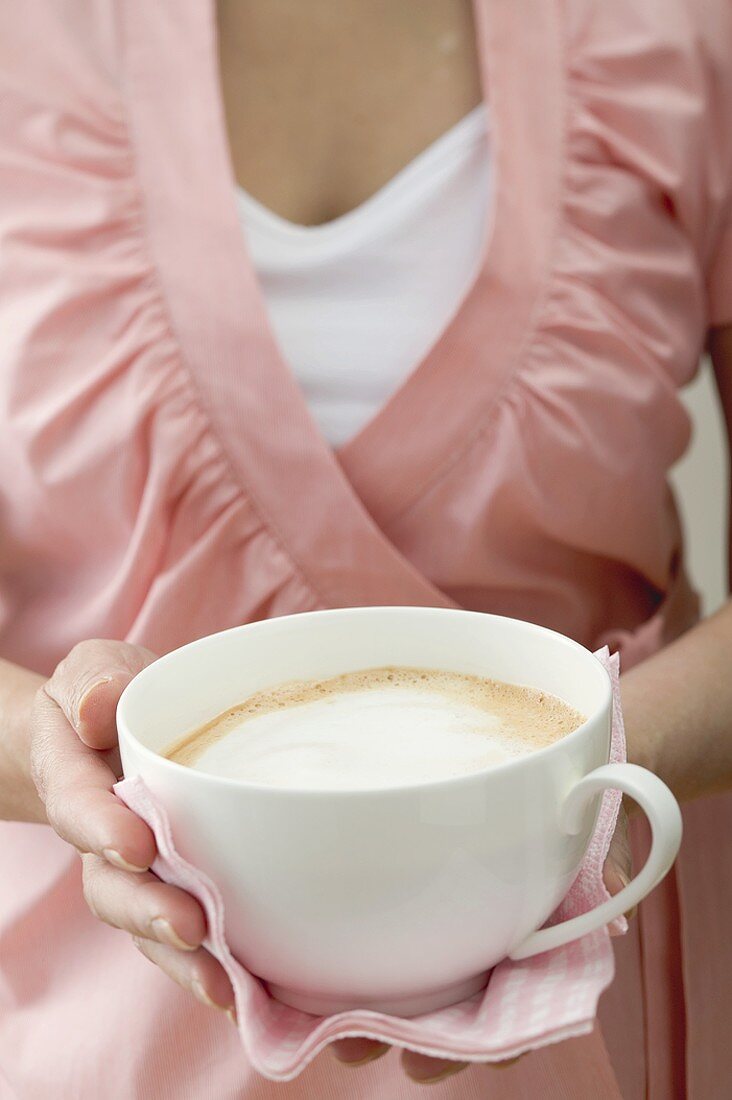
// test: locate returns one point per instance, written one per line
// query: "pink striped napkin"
(526, 1004)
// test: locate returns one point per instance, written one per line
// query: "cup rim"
(431, 785)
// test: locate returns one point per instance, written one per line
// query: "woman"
(196, 433)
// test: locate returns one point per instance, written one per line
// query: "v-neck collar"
(326, 508)
(370, 216)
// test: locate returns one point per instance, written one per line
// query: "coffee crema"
(375, 728)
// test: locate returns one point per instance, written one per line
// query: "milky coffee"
(378, 727)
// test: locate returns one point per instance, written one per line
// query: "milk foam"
(375, 728)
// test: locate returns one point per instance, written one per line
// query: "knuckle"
(51, 803)
(90, 900)
(88, 885)
(75, 675)
(88, 662)
(40, 701)
(39, 764)
(56, 684)
(44, 772)
(83, 652)
(55, 799)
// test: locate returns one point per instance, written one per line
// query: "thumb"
(87, 685)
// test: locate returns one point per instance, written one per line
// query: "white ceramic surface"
(398, 899)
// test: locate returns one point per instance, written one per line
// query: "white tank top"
(356, 303)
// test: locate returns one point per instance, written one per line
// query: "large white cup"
(398, 899)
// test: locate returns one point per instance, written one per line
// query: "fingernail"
(373, 1054)
(453, 1067)
(163, 930)
(231, 1013)
(200, 993)
(87, 692)
(113, 857)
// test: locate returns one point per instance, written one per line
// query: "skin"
(319, 97)
(321, 114)
(58, 766)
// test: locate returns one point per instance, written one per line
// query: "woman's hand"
(74, 763)
(358, 1052)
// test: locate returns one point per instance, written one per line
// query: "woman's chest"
(141, 383)
(324, 103)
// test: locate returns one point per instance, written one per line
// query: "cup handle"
(664, 815)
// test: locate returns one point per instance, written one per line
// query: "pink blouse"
(161, 478)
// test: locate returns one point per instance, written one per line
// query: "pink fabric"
(526, 1005)
(162, 479)
(153, 442)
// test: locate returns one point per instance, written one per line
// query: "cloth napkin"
(527, 1004)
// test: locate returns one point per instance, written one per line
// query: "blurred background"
(701, 483)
